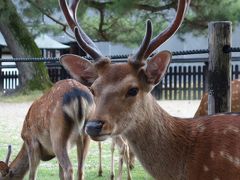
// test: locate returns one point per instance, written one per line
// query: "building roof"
(2, 40)
(113, 49)
(106, 48)
(45, 42)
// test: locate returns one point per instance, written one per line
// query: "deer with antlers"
(235, 99)
(53, 124)
(168, 147)
(70, 13)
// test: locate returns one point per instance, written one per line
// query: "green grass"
(31, 96)
(10, 133)
(49, 170)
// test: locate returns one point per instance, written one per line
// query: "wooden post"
(219, 68)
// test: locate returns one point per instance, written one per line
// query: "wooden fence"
(185, 79)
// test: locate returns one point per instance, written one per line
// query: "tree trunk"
(32, 76)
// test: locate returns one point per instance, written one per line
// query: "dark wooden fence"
(182, 82)
(185, 79)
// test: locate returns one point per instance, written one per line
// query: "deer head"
(119, 89)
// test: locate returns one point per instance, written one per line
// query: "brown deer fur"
(235, 99)
(167, 147)
(53, 124)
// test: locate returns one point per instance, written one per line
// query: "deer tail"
(76, 104)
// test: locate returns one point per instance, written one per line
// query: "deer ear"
(157, 66)
(79, 68)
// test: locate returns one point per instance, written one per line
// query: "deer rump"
(54, 124)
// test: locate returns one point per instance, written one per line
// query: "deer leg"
(59, 144)
(127, 160)
(112, 159)
(131, 158)
(100, 159)
(120, 163)
(61, 174)
(82, 149)
(124, 154)
(33, 150)
(64, 162)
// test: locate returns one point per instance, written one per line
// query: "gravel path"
(12, 114)
(11, 120)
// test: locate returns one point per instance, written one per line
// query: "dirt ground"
(11, 120)
(12, 117)
(12, 114)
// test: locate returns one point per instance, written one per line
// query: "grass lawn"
(11, 118)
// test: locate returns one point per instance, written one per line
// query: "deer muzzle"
(94, 127)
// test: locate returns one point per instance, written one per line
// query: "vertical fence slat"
(189, 82)
(175, 84)
(199, 82)
(1, 80)
(185, 83)
(170, 82)
(194, 75)
(180, 81)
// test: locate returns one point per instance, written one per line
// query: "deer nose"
(94, 127)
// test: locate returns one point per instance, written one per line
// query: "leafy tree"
(21, 44)
(123, 20)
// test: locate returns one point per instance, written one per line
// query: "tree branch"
(101, 23)
(44, 12)
(146, 7)
(154, 8)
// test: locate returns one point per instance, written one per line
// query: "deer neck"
(20, 165)
(159, 140)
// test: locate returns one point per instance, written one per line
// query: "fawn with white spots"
(168, 147)
(54, 124)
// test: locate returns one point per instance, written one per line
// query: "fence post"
(219, 68)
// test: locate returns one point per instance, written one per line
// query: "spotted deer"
(235, 99)
(54, 124)
(168, 147)
(125, 154)
(86, 78)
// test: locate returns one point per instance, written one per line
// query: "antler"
(8, 154)
(172, 28)
(70, 13)
(139, 56)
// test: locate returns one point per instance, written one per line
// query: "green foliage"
(26, 47)
(203, 12)
(124, 21)
(19, 97)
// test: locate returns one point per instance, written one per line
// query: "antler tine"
(86, 47)
(68, 14)
(85, 37)
(8, 154)
(168, 32)
(71, 17)
(138, 57)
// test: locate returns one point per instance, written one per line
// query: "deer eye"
(132, 92)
